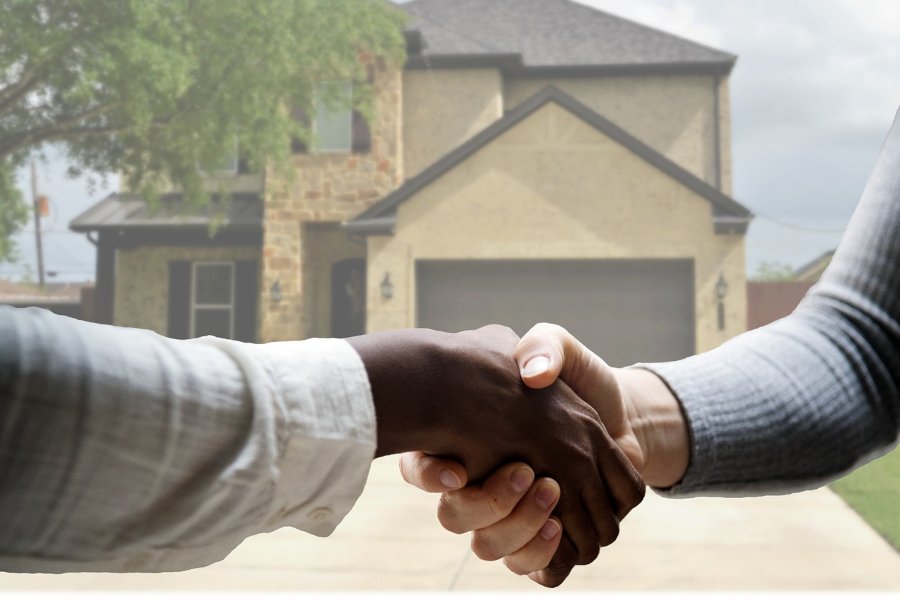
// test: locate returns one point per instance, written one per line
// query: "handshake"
(554, 444)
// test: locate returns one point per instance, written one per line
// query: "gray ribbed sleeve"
(805, 399)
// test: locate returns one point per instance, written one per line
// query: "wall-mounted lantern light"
(387, 287)
(275, 291)
(721, 291)
(721, 287)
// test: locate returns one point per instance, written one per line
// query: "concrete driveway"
(391, 541)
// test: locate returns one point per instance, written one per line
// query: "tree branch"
(10, 95)
(42, 134)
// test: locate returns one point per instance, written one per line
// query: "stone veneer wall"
(142, 280)
(327, 187)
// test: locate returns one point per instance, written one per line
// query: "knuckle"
(589, 553)
(633, 496)
(515, 566)
(610, 533)
(406, 469)
(554, 580)
(557, 571)
(638, 493)
(448, 516)
(482, 548)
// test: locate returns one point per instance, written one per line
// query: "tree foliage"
(154, 88)
(13, 212)
(773, 271)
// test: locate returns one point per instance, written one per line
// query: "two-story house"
(534, 160)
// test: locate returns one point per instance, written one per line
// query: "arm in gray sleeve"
(122, 450)
(801, 401)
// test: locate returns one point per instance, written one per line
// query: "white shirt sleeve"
(122, 450)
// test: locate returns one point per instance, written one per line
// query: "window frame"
(315, 146)
(235, 167)
(193, 301)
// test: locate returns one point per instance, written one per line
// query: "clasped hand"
(482, 416)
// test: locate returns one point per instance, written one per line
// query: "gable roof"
(537, 36)
(812, 270)
(729, 216)
(131, 211)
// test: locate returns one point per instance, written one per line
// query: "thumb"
(541, 354)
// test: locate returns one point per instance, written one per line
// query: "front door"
(348, 298)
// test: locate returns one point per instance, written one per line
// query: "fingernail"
(536, 366)
(549, 530)
(545, 496)
(521, 478)
(449, 479)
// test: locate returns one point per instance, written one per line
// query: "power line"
(794, 226)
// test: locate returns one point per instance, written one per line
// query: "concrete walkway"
(391, 541)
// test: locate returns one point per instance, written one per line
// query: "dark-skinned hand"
(460, 396)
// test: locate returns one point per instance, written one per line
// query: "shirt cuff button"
(320, 513)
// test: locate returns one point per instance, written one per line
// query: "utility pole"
(37, 224)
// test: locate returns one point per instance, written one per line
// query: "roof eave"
(714, 68)
(200, 227)
(377, 226)
(505, 62)
(513, 66)
(731, 225)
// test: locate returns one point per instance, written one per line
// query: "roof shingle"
(551, 34)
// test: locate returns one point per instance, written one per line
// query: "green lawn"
(874, 492)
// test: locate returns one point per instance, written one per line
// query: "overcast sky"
(814, 91)
(816, 86)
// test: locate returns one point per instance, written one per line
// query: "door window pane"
(212, 321)
(213, 284)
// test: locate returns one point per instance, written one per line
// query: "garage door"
(625, 310)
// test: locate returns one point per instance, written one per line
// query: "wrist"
(407, 370)
(659, 425)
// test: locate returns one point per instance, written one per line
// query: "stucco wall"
(327, 187)
(443, 108)
(142, 280)
(553, 187)
(673, 114)
(725, 135)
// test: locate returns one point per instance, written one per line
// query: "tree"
(773, 271)
(13, 212)
(153, 89)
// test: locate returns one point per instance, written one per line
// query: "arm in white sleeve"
(122, 450)
(801, 401)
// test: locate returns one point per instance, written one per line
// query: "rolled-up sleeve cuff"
(686, 379)
(330, 433)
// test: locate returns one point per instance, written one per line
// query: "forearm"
(799, 402)
(124, 450)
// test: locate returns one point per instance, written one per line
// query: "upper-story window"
(333, 123)
(230, 163)
(336, 126)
